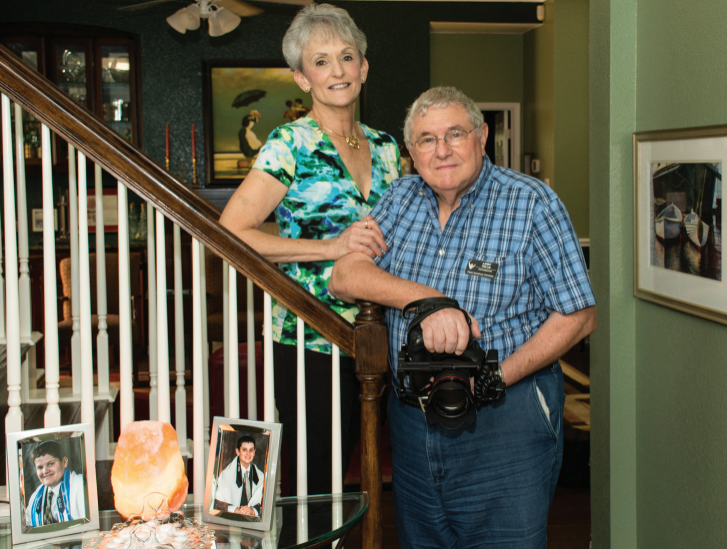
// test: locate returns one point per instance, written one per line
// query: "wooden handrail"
(139, 172)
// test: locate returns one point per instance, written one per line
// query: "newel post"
(371, 345)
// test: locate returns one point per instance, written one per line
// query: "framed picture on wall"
(243, 102)
(678, 218)
(110, 201)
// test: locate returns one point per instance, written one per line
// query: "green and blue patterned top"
(321, 202)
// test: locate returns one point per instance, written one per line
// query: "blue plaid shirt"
(506, 218)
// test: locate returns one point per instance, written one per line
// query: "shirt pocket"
(507, 286)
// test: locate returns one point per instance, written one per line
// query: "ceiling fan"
(223, 16)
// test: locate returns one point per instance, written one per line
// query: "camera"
(440, 382)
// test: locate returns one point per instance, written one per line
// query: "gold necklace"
(351, 140)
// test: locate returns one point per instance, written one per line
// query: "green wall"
(570, 109)
(682, 443)
(486, 67)
(538, 133)
(659, 385)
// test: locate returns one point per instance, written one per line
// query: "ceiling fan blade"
(143, 5)
(296, 2)
(241, 9)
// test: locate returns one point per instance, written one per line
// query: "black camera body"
(440, 382)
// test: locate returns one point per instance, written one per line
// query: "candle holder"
(195, 184)
(166, 158)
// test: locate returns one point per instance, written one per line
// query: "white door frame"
(514, 109)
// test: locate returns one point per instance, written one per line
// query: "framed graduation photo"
(241, 473)
(52, 482)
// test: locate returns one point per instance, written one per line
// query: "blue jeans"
(490, 485)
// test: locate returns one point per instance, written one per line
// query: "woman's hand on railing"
(363, 236)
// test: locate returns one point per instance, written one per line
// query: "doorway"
(503, 141)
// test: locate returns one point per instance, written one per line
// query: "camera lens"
(450, 396)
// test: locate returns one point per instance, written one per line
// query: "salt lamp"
(147, 460)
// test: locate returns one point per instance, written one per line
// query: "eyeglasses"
(455, 138)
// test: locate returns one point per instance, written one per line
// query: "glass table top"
(298, 522)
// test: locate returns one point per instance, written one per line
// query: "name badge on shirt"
(476, 267)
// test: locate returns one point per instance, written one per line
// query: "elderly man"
(61, 496)
(502, 245)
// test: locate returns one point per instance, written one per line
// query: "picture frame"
(230, 446)
(230, 153)
(36, 220)
(110, 210)
(34, 467)
(678, 220)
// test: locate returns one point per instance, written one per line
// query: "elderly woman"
(322, 175)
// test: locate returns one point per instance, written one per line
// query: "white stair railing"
(164, 410)
(52, 416)
(152, 309)
(17, 274)
(126, 359)
(102, 338)
(75, 290)
(180, 397)
(84, 277)
(14, 418)
(30, 379)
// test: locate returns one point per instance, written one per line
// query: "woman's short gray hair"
(440, 98)
(324, 20)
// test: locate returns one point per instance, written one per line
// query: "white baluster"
(24, 282)
(52, 374)
(181, 393)
(225, 333)
(29, 375)
(75, 298)
(162, 323)
(336, 456)
(234, 386)
(268, 372)
(152, 284)
(337, 460)
(102, 338)
(302, 450)
(84, 277)
(126, 358)
(197, 375)
(14, 419)
(251, 373)
(205, 355)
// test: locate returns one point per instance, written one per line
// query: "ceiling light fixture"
(221, 20)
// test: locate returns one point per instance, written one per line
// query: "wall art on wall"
(678, 218)
(52, 482)
(241, 473)
(110, 210)
(243, 102)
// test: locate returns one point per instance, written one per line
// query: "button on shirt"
(506, 219)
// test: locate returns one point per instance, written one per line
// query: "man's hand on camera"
(446, 331)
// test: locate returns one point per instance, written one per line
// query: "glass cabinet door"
(116, 100)
(71, 71)
(31, 52)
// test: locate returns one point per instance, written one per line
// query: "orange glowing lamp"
(147, 460)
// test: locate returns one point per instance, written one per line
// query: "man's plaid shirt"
(506, 218)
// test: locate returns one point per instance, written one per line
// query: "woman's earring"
(363, 80)
(306, 90)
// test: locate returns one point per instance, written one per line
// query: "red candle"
(194, 146)
(167, 140)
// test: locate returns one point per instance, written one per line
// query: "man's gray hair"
(442, 97)
(320, 20)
